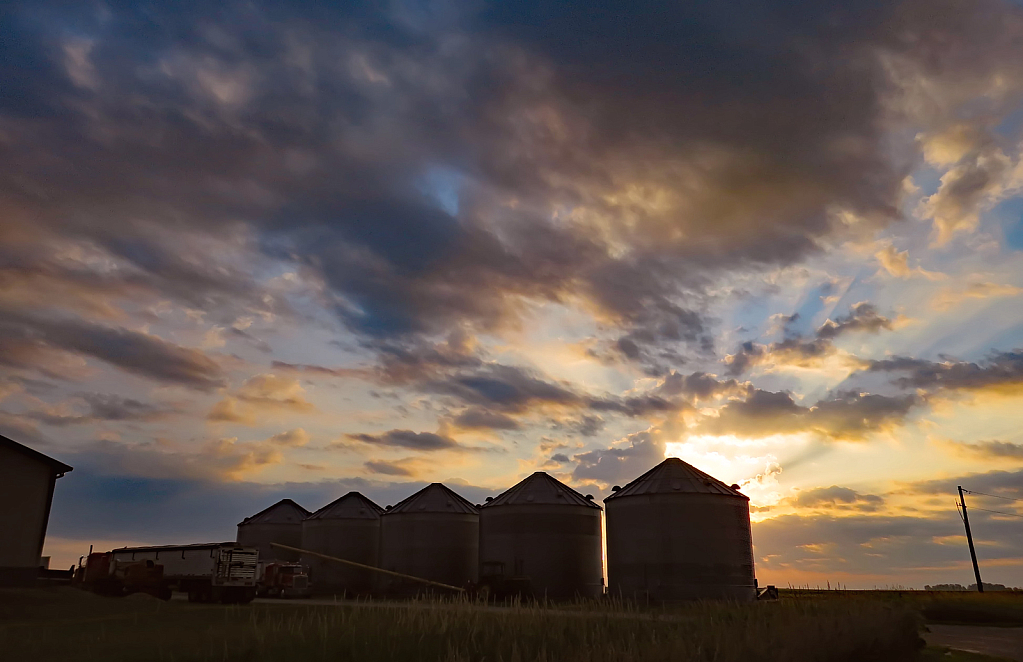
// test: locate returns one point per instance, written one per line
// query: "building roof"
(284, 511)
(434, 498)
(540, 489)
(58, 467)
(351, 506)
(673, 476)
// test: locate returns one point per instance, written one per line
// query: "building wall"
(441, 547)
(680, 547)
(556, 546)
(261, 535)
(26, 487)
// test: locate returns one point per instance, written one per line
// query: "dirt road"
(1000, 642)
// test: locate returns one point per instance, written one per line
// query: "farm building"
(280, 523)
(433, 534)
(676, 533)
(546, 532)
(347, 528)
(27, 479)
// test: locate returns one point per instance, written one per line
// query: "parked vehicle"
(208, 572)
(280, 579)
(101, 573)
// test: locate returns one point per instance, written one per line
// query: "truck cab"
(279, 579)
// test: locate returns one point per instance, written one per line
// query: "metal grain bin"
(433, 534)
(543, 535)
(280, 523)
(676, 533)
(347, 528)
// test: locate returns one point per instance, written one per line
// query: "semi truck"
(207, 572)
(280, 579)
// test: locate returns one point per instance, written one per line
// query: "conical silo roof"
(434, 498)
(284, 511)
(541, 488)
(351, 506)
(673, 476)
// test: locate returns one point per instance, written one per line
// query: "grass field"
(64, 624)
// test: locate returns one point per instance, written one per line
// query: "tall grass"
(459, 631)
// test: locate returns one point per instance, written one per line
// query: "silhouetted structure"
(280, 523)
(347, 528)
(433, 534)
(27, 479)
(546, 532)
(676, 533)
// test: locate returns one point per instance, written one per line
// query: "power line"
(995, 496)
(997, 512)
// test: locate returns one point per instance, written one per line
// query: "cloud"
(842, 416)
(836, 498)
(100, 407)
(505, 388)
(896, 263)
(259, 395)
(420, 441)
(621, 463)
(1003, 483)
(977, 181)
(477, 418)
(950, 296)
(459, 170)
(292, 438)
(1001, 371)
(798, 351)
(863, 317)
(405, 468)
(991, 450)
(23, 337)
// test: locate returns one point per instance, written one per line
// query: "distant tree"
(990, 587)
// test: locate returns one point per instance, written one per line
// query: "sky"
(251, 251)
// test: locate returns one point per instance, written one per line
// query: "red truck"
(278, 579)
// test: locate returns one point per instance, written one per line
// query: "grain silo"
(280, 523)
(676, 533)
(347, 528)
(543, 534)
(433, 534)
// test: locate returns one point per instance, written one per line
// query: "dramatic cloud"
(234, 232)
(798, 351)
(1002, 371)
(23, 338)
(843, 416)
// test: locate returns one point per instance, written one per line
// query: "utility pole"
(969, 539)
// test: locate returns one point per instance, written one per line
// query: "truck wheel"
(194, 595)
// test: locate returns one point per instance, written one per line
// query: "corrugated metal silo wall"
(558, 547)
(441, 547)
(261, 535)
(350, 539)
(680, 547)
